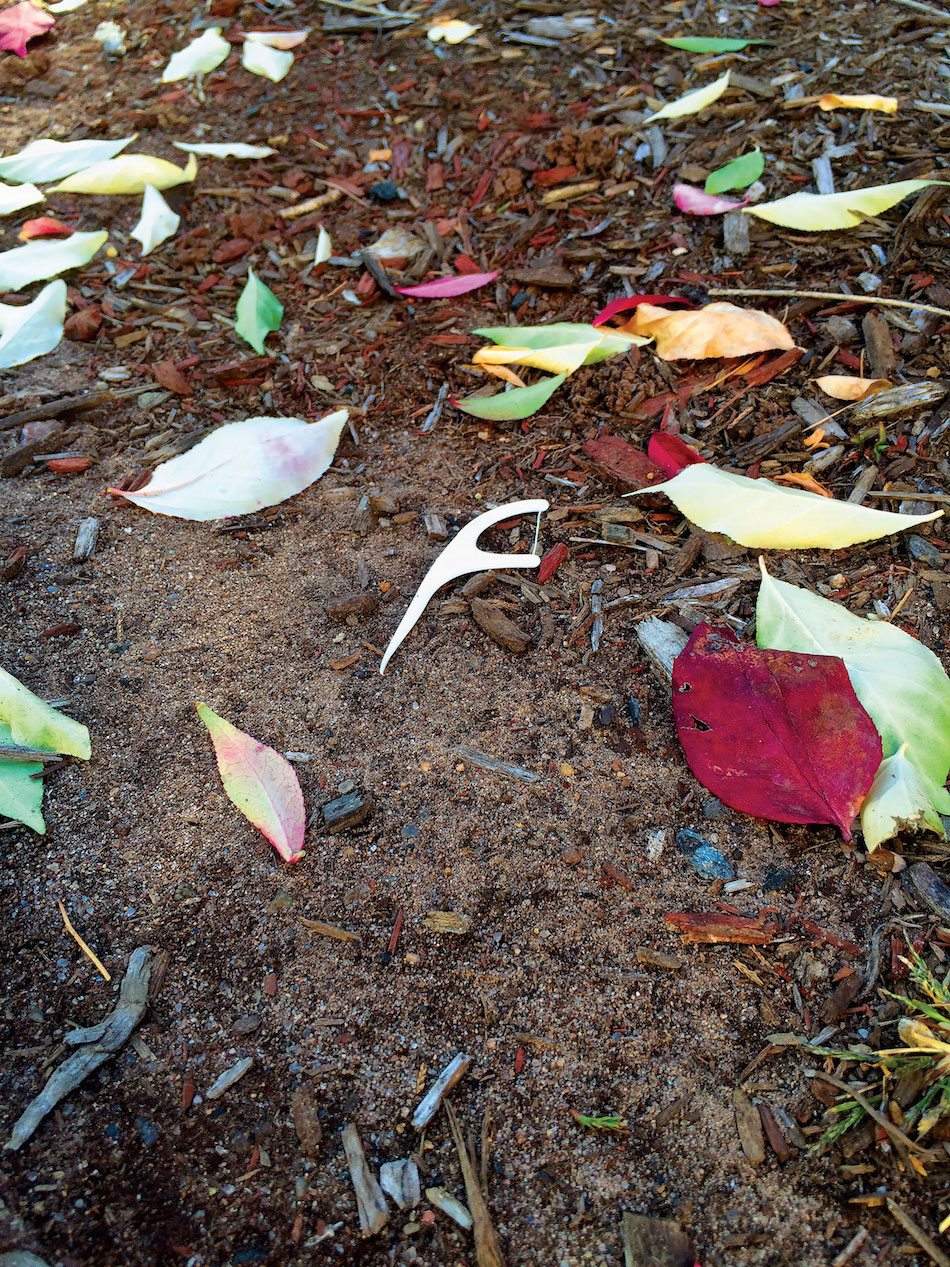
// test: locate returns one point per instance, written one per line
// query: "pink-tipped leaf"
(696, 202)
(261, 783)
(448, 287)
(20, 23)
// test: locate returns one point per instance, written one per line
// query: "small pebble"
(780, 880)
(409, 831)
(711, 807)
(923, 550)
(384, 191)
(703, 857)
(656, 839)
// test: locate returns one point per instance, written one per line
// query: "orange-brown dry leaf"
(719, 329)
(502, 371)
(851, 386)
(808, 482)
(816, 440)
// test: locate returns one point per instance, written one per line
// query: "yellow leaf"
(850, 386)
(503, 372)
(834, 101)
(820, 213)
(562, 359)
(764, 515)
(128, 174)
(693, 101)
(717, 330)
(803, 480)
(815, 440)
(452, 30)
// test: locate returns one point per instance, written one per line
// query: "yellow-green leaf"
(820, 213)
(522, 402)
(259, 312)
(693, 101)
(35, 724)
(128, 174)
(764, 515)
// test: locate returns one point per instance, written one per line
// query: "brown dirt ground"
(142, 845)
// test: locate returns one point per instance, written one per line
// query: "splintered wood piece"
(930, 890)
(400, 1180)
(662, 642)
(498, 627)
(651, 1242)
(370, 1202)
(487, 1245)
(702, 928)
(453, 1072)
(749, 1127)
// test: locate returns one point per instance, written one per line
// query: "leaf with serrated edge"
(32, 331)
(46, 159)
(261, 783)
(522, 402)
(821, 213)
(157, 221)
(898, 680)
(197, 58)
(242, 467)
(898, 800)
(128, 174)
(34, 724)
(764, 515)
(693, 101)
(21, 796)
(43, 259)
(259, 312)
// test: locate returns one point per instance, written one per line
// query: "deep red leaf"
(634, 301)
(622, 462)
(20, 23)
(670, 453)
(776, 734)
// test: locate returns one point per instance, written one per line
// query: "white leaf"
(278, 39)
(157, 221)
(324, 247)
(39, 260)
(65, 6)
(693, 101)
(32, 331)
(897, 799)
(197, 58)
(15, 197)
(52, 160)
(242, 467)
(261, 59)
(227, 149)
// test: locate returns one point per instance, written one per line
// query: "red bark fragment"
(707, 928)
(552, 561)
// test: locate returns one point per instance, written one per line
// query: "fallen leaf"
(452, 30)
(396, 244)
(719, 329)
(819, 213)
(620, 461)
(84, 325)
(49, 160)
(33, 330)
(851, 386)
(259, 312)
(197, 58)
(242, 467)
(708, 44)
(522, 402)
(226, 149)
(21, 23)
(21, 794)
(699, 203)
(564, 359)
(35, 724)
(739, 174)
(803, 480)
(562, 338)
(634, 301)
(278, 39)
(128, 174)
(157, 221)
(764, 515)
(899, 681)
(261, 783)
(776, 734)
(44, 227)
(503, 372)
(324, 247)
(38, 261)
(169, 376)
(66, 6)
(261, 59)
(834, 101)
(898, 801)
(16, 197)
(693, 101)
(448, 287)
(670, 453)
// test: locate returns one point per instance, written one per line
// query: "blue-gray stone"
(703, 857)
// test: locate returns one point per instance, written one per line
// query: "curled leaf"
(819, 213)
(773, 733)
(898, 801)
(835, 101)
(157, 221)
(521, 402)
(242, 467)
(259, 312)
(850, 386)
(261, 783)
(16, 197)
(278, 39)
(693, 101)
(262, 59)
(38, 261)
(26, 333)
(739, 174)
(719, 329)
(562, 358)
(226, 149)
(617, 306)
(324, 247)
(670, 453)
(197, 58)
(128, 174)
(448, 287)
(50, 160)
(764, 515)
(44, 227)
(699, 203)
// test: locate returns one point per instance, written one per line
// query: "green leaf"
(897, 800)
(259, 313)
(20, 796)
(520, 402)
(34, 724)
(898, 680)
(561, 334)
(711, 44)
(739, 174)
